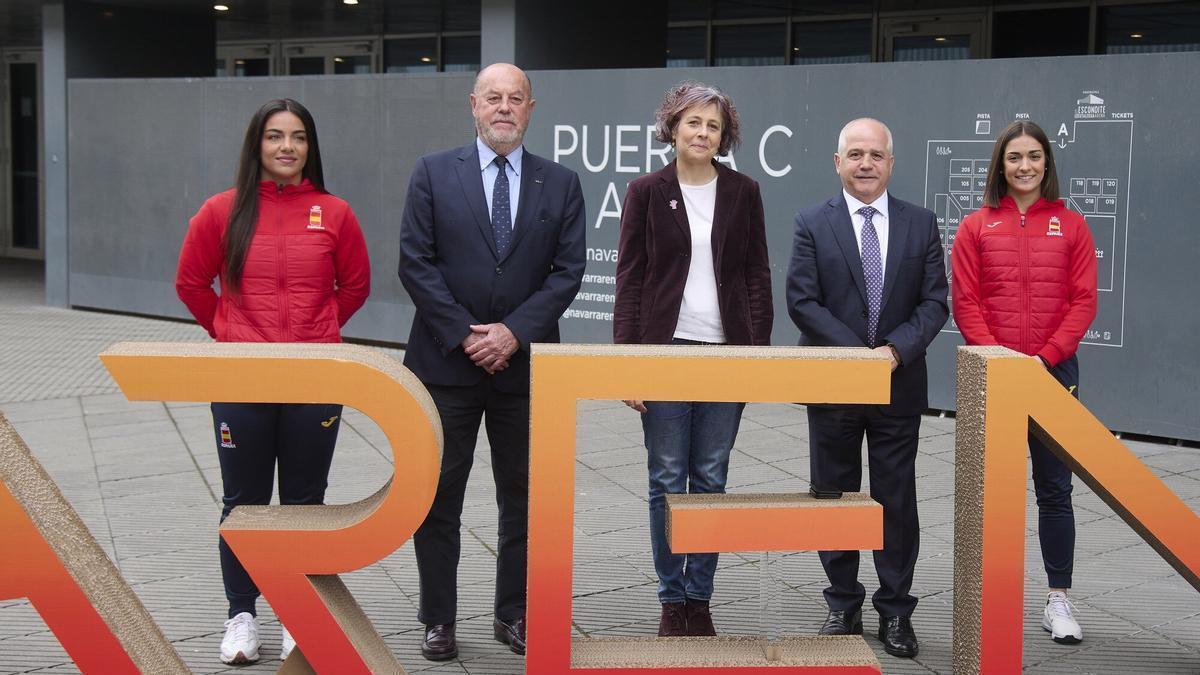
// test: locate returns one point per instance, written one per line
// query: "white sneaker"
(1059, 619)
(240, 644)
(289, 643)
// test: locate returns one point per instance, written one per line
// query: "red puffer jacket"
(1026, 282)
(306, 272)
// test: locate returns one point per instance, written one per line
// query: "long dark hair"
(996, 186)
(244, 215)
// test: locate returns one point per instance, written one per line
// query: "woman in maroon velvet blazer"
(692, 268)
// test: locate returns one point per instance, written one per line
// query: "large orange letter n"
(294, 553)
(1002, 395)
(564, 374)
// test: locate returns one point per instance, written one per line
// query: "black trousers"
(835, 444)
(251, 439)
(437, 541)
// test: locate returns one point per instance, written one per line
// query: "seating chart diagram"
(1093, 155)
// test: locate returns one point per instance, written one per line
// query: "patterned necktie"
(501, 215)
(872, 271)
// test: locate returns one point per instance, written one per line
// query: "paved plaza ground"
(144, 478)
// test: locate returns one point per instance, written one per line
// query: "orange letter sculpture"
(294, 553)
(1001, 396)
(564, 374)
(52, 559)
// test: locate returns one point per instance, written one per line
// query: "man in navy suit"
(492, 254)
(867, 270)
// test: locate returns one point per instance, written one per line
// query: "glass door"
(952, 36)
(355, 57)
(21, 197)
(245, 59)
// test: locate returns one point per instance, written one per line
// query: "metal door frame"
(974, 24)
(231, 52)
(13, 56)
(328, 49)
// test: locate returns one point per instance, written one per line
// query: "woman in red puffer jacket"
(1025, 278)
(293, 267)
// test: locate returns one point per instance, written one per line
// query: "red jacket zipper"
(281, 266)
(1023, 257)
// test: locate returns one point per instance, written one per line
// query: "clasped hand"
(490, 345)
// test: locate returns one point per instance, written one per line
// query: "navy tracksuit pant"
(1052, 488)
(251, 439)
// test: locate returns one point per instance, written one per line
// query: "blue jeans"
(688, 447)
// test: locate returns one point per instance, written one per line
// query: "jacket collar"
(882, 203)
(487, 155)
(1007, 203)
(670, 172)
(269, 188)
(727, 190)
(470, 176)
(673, 195)
(668, 177)
(837, 213)
(898, 233)
(471, 180)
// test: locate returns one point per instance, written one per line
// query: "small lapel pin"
(538, 181)
(674, 203)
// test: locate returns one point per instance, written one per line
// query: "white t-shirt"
(700, 312)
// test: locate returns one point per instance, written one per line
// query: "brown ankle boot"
(699, 619)
(673, 622)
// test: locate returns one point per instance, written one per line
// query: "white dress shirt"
(487, 159)
(880, 220)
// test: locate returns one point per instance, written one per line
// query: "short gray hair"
(841, 146)
(687, 95)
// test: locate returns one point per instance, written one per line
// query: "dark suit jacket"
(827, 295)
(655, 254)
(449, 266)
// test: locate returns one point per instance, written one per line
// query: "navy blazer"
(449, 265)
(655, 257)
(827, 294)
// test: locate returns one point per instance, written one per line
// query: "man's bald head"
(864, 158)
(868, 124)
(502, 103)
(501, 69)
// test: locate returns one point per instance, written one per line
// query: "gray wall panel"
(418, 115)
(135, 179)
(1135, 151)
(155, 297)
